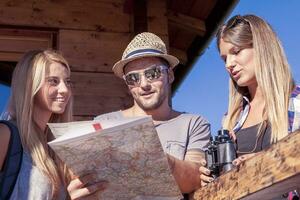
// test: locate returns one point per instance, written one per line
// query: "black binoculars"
(220, 153)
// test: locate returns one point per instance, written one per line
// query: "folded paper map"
(125, 152)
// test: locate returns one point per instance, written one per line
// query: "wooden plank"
(268, 175)
(15, 42)
(23, 44)
(96, 93)
(202, 9)
(45, 34)
(103, 15)
(97, 104)
(180, 54)
(99, 84)
(157, 19)
(187, 23)
(10, 56)
(182, 6)
(92, 51)
(182, 39)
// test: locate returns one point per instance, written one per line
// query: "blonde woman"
(40, 93)
(264, 102)
(263, 98)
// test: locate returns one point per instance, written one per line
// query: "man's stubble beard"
(154, 104)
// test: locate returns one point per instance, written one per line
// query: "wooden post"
(157, 19)
(272, 173)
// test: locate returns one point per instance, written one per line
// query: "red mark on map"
(97, 126)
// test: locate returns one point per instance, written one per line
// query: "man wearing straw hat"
(147, 69)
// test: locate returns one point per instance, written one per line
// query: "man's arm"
(191, 173)
(186, 172)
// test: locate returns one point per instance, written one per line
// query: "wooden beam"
(272, 173)
(97, 93)
(104, 15)
(98, 104)
(10, 56)
(15, 42)
(98, 84)
(92, 51)
(180, 54)
(187, 23)
(23, 44)
(157, 19)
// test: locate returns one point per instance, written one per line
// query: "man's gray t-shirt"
(184, 133)
(178, 135)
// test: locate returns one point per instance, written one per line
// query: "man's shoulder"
(193, 117)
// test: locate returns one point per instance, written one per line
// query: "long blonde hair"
(272, 71)
(28, 78)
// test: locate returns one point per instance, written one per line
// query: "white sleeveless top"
(31, 183)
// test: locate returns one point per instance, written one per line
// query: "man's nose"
(144, 82)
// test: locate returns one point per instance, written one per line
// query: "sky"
(205, 89)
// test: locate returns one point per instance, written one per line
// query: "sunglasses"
(151, 74)
(235, 20)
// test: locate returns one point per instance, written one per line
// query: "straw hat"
(144, 45)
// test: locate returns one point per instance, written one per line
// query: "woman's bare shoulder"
(4, 142)
(4, 134)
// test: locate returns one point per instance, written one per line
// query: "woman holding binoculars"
(264, 102)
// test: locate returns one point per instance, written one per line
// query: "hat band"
(143, 51)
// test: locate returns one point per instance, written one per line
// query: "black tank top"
(249, 141)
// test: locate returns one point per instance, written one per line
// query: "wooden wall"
(91, 35)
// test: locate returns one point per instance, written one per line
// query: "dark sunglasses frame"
(155, 73)
(235, 20)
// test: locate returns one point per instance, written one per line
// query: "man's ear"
(171, 77)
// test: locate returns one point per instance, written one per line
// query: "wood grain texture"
(104, 84)
(97, 93)
(100, 15)
(180, 54)
(92, 51)
(14, 43)
(95, 104)
(157, 19)
(187, 23)
(268, 175)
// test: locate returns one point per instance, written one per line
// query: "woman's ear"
(171, 76)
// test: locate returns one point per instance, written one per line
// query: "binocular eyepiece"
(220, 153)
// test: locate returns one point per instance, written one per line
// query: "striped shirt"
(293, 112)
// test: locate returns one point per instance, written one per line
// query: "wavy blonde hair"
(272, 71)
(28, 77)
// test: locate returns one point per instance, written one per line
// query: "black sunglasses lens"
(132, 78)
(153, 73)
